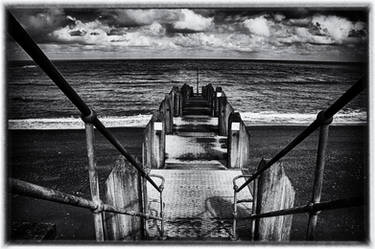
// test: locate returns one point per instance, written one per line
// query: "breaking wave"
(354, 117)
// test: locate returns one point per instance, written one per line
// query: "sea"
(124, 93)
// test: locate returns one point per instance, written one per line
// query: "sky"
(255, 33)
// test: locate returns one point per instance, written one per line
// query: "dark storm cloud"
(246, 30)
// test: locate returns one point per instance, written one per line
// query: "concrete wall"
(209, 93)
(122, 190)
(225, 110)
(238, 142)
(186, 93)
(154, 142)
(176, 101)
(274, 192)
(218, 91)
(166, 111)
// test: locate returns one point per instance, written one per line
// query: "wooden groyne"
(193, 180)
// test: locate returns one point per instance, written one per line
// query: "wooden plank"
(122, 191)
(275, 192)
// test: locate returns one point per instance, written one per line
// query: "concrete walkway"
(198, 204)
(198, 191)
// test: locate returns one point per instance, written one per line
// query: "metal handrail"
(33, 190)
(311, 208)
(88, 115)
(322, 118)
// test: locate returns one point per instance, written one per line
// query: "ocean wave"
(261, 118)
(75, 123)
(29, 66)
(351, 117)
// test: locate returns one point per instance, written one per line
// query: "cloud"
(139, 17)
(39, 23)
(174, 30)
(337, 28)
(193, 21)
(279, 17)
(257, 26)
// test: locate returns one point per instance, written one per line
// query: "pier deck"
(198, 190)
(198, 204)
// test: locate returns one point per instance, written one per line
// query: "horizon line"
(199, 58)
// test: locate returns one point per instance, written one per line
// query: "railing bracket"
(90, 118)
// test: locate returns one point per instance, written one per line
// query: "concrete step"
(196, 111)
(195, 148)
(193, 125)
(195, 164)
(198, 204)
(196, 104)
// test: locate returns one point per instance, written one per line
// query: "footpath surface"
(198, 190)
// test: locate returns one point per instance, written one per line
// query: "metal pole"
(94, 181)
(144, 191)
(234, 212)
(32, 190)
(197, 81)
(319, 174)
(326, 205)
(254, 206)
(161, 215)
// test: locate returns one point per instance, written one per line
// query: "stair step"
(195, 148)
(196, 111)
(198, 204)
(195, 164)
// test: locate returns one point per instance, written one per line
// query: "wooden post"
(275, 192)
(154, 142)
(210, 97)
(218, 93)
(221, 102)
(122, 191)
(225, 109)
(166, 113)
(94, 182)
(176, 101)
(319, 174)
(234, 140)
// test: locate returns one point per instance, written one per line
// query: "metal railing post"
(234, 212)
(161, 215)
(197, 81)
(319, 174)
(93, 175)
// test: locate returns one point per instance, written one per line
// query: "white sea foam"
(29, 66)
(75, 123)
(261, 118)
(353, 117)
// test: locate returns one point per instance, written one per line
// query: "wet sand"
(57, 159)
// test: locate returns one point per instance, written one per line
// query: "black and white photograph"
(187, 124)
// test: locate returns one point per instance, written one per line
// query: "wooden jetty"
(193, 181)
